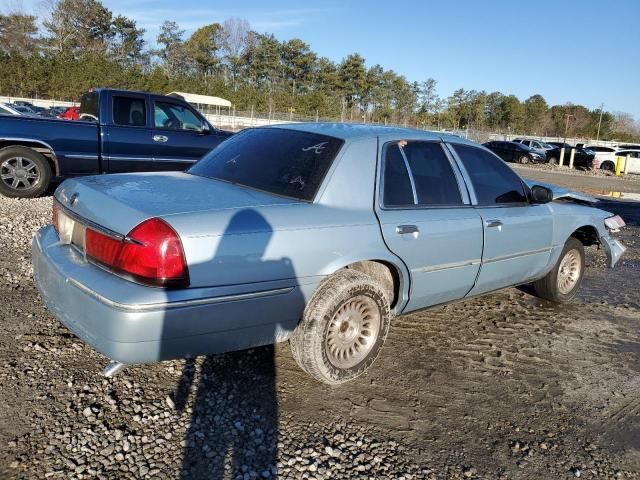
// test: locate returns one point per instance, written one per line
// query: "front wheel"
(561, 284)
(524, 159)
(343, 328)
(553, 161)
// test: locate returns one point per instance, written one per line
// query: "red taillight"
(55, 215)
(151, 253)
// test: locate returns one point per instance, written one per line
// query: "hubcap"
(352, 332)
(19, 173)
(569, 271)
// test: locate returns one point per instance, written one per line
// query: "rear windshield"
(281, 161)
(89, 104)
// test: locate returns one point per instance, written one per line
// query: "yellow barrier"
(619, 166)
(573, 154)
(561, 157)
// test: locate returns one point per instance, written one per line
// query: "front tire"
(343, 328)
(553, 161)
(24, 173)
(562, 283)
(523, 160)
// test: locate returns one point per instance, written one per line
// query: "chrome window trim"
(466, 203)
(150, 307)
(409, 173)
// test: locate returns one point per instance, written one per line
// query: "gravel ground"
(501, 386)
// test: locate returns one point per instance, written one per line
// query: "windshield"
(286, 162)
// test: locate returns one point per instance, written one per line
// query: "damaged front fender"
(613, 248)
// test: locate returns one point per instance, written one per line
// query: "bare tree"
(235, 38)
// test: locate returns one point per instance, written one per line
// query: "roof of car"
(347, 131)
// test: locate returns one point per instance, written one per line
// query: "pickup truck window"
(89, 105)
(433, 178)
(129, 111)
(176, 117)
(285, 162)
(493, 181)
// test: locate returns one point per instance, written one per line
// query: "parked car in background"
(123, 131)
(583, 159)
(629, 147)
(24, 109)
(57, 111)
(23, 103)
(515, 152)
(8, 109)
(255, 245)
(634, 159)
(538, 145)
(71, 113)
(605, 157)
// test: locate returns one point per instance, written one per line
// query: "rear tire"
(562, 283)
(608, 166)
(553, 161)
(24, 173)
(343, 328)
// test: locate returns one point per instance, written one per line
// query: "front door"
(181, 137)
(517, 234)
(427, 220)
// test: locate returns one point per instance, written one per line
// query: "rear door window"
(129, 111)
(420, 167)
(493, 181)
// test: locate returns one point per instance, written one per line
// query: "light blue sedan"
(318, 234)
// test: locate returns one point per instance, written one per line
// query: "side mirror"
(540, 194)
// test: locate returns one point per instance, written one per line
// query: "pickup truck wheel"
(562, 283)
(24, 172)
(343, 328)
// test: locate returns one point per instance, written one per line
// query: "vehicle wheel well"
(608, 165)
(38, 147)
(386, 273)
(588, 235)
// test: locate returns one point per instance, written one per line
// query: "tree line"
(80, 44)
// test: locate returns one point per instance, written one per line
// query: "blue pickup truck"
(118, 131)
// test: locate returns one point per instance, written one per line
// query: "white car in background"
(539, 146)
(634, 160)
(605, 157)
(8, 109)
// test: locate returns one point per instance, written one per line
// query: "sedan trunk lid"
(120, 202)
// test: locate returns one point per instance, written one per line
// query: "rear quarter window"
(285, 162)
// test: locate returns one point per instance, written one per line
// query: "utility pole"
(567, 117)
(599, 122)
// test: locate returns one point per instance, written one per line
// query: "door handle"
(160, 138)
(407, 229)
(493, 223)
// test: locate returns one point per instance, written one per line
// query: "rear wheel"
(561, 284)
(553, 161)
(343, 328)
(609, 166)
(24, 172)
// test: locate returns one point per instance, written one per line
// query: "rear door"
(427, 220)
(181, 136)
(127, 142)
(517, 234)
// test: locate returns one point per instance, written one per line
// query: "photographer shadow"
(232, 431)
